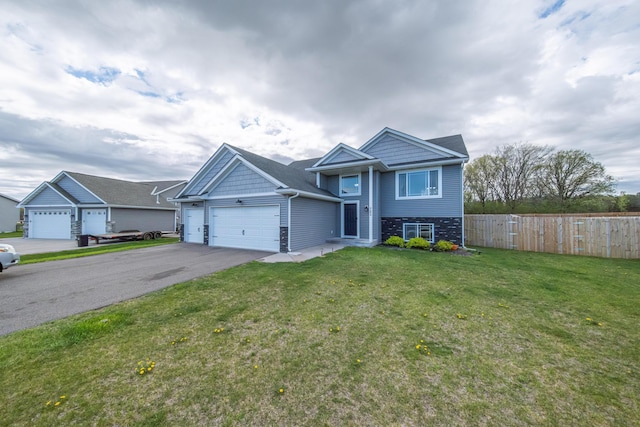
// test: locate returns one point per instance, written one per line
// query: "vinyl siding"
(333, 184)
(340, 157)
(392, 151)
(324, 182)
(212, 172)
(48, 197)
(276, 199)
(9, 215)
(449, 205)
(79, 193)
(242, 180)
(142, 219)
(313, 222)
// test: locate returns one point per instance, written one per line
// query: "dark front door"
(350, 219)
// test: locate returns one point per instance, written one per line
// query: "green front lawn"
(358, 337)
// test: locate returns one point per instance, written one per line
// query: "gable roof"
(62, 192)
(125, 193)
(453, 143)
(349, 153)
(50, 186)
(113, 192)
(303, 164)
(293, 177)
(288, 179)
(444, 147)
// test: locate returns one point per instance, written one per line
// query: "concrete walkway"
(304, 254)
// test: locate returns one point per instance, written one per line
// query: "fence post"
(560, 236)
(608, 222)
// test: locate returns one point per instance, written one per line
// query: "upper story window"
(418, 184)
(350, 185)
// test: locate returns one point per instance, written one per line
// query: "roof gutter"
(292, 192)
(430, 164)
(185, 199)
(347, 165)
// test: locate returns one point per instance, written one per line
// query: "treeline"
(526, 178)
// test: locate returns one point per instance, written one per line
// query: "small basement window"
(425, 231)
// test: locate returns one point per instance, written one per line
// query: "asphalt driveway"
(37, 293)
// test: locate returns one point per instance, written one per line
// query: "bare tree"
(572, 174)
(479, 177)
(516, 166)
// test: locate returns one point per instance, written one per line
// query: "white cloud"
(140, 90)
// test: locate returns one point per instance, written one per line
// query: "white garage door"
(50, 224)
(247, 227)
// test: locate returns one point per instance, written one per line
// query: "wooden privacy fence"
(603, 236)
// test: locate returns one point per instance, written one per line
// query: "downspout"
(289, 221)
(462, 197)
(370, 204)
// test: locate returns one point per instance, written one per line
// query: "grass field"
(10, 234)
(358, 337)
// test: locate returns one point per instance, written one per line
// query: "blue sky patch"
(149, 94)
(104, 75)
(551, 9)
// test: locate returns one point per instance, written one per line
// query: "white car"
(8, 256)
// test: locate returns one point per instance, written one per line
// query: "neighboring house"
(9, 215)
(395, 184)
(73, 203)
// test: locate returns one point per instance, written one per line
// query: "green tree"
(479, 177)
(573, 174)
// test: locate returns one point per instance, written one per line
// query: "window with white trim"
(350, 185)
(411, 230)
(418, 184)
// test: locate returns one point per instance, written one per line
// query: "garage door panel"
(247, 227)
(50, 224)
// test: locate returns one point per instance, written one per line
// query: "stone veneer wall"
(284, 239)
(181, 231)
(444, 228)
(206, 234)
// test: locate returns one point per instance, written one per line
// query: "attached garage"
(245, 227)
(50, 223)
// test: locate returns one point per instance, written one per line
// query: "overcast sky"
(148, 90)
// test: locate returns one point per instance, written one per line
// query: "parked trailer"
(129, 235)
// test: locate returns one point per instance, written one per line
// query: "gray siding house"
(395, 184)
(73, 203)
(9, 215)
